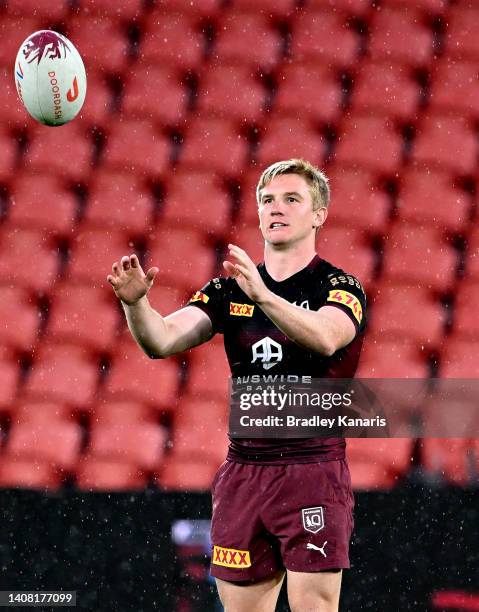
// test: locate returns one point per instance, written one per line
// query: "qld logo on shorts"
(229, 557)
(313, 519)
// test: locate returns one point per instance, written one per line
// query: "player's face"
(286, 212)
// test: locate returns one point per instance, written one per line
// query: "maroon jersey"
(255, 346)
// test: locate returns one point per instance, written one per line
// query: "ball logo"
(44, 44)
(19, 71)
(73, 95)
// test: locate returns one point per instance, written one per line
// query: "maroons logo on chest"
(45, 44)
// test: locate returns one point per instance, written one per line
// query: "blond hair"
(317, 181)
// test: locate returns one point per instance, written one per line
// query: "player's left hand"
(246, 274)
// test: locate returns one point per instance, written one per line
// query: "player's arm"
(158, 336)
(324, 331)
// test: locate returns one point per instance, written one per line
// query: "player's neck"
(283, 263)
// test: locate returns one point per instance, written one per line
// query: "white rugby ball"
(50, 77)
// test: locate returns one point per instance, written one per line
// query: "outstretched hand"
(246, 274)
(129, 281)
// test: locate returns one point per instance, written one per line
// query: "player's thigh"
(250, 597)
(314, 591)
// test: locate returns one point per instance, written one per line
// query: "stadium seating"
(472, 256)
(429, 197)
(369, 142)
(446, 459)
(324, 37)
(168, 299)
(419, 255)
(219, 80)
(123, 10)
(26, 474)
(309, 90)
(42, 201)
(274, 8)
(14, 29)
(378, 463)
(250, 239)
(391, 27)
(99, 102)
(388, 358)
(455, 88)
(137, 146)
(458, 359)
(388, 89)
(186, 472)
(8, 142)
(94, 474)
(20, 319)
(42, 9)
(114, 197)
(46, 412)
(208, 372)
(448, 142)
(155, 92)
(122, 412)
(461, 41)
(204, 9)
(359, 8)
(466, 324)
(76, 376)
(86, 316)
(9, 378)
(429, 7)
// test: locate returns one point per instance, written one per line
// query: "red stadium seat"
(45, 10)
(197, 199)
(387, 89)
(173, 40)
(56, 442)
(95, 474)
(42, 412)
(184, 257)
(208, 372)
(26, 474)
(155, 92)
(9, 379)
(93, 253)
(14, 29)
(9, 147)
(102, 43)
(459, 359)
(187, 473)
(205, 8)
(248, 38)
(169, 299)
(472, 256)
(248, 214)
(455, 600)
(216, 85)
(124, 10)
(309, 90)
(135, 377)
(324, 37)
(122, 412)
(420, 187)
(378, 463)
(200, 428)
(390, 27)
(99, 102)
(389, 318)
(137, 146)
(139, 444)
(447, 141)
(214, 144)
(429, 7)
(274, 8)
(446, 459)
(370, 142)
(250, 239)
(358, 8)
(357, 200)
(455, 88)
(285, 137)
(66, 152)
(466, 324)
(63, 373)
(383, 358)
(419, 255)
(115, 196)
(20, 319)
(84, 315)
(461, 40)
(18, 249)
(347, 248)
(42, 201)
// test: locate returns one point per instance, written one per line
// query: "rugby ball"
(50, 77)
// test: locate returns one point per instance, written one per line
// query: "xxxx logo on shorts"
(241, 310)
(229, 557)
(199, 296)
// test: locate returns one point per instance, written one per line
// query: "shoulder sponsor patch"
(241, 310)
(199, 296)
(348, 299)
(229, 557)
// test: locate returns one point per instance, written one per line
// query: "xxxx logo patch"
(241, 310)
(229, 557)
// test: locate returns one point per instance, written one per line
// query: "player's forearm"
(148, 328)
(305, 327)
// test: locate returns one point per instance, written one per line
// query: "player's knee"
(313, 602)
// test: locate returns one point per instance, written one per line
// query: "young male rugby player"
(279, 506)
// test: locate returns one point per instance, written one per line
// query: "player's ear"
(319, 217)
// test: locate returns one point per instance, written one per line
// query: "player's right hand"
(129, 281)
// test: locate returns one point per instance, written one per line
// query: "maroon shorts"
(270, 517)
